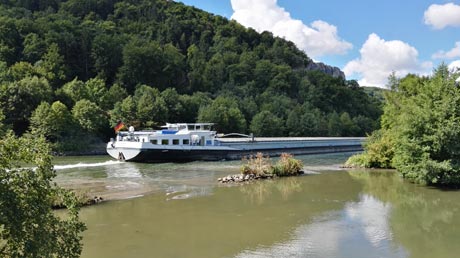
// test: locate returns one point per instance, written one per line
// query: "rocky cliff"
(327, 69)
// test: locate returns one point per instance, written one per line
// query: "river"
(179, 210)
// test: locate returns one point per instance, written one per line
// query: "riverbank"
(92, 150)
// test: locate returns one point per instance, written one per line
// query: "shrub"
(287, 166)
(257, 165)
(260, 166)
(379, 152)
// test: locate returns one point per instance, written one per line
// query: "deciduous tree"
(28, 226)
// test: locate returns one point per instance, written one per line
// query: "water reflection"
(424, 220)
(259, 192)
(361, 229)
(373, 217)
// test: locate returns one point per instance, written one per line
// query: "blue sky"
(366, 39)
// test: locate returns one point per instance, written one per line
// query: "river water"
(179, 210)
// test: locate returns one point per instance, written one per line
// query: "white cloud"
(441, 16)
(318, 39)
(379, 58)
(453, 53)
(455, 65)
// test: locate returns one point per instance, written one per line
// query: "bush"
(261, 166)
(257, 165)
(379, 152)
(287, 166)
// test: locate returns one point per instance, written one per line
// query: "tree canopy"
(420, 129)
(150, 62)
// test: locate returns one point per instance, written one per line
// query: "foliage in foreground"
(28, 226)
(420, 130)
(259, 165)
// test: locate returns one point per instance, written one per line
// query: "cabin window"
(155, 141)
(164, 142)
(191, 127)
(175, 142)
(186, 142)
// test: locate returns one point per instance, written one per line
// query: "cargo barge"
(183, 142)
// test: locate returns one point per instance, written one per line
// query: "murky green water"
(327, 213)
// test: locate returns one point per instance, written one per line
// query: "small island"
(259, 167)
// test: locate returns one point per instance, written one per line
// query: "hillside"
(74, 68)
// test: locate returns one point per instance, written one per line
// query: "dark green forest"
(69, 70)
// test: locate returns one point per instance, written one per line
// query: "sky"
(368, 40)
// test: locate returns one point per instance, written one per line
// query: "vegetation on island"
(420, 130)
(259, 165)
(69, 70)
(28, 225)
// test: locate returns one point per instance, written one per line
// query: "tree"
(34, 47)
(420, 130)
(54, 122)
(29, 228)
(173, 105)
(150, 107)
(53, 66)
(196, 64)
(334, 126)
(125, 111)
(20, 98)
(192, 105)
(71, 92)
(147, 62)
(349, 127)
(89, 116)
(107, 55)
(2, 126)
(224, 112)
(10, 40)
(267, 124)
(115, 94)
(21, 70)
(96, 91)
(306, 121)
